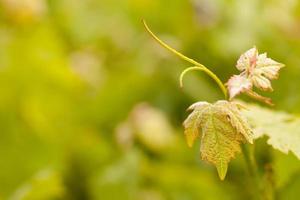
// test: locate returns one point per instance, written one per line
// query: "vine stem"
(197, 66)
(253, 171)
(260, 98)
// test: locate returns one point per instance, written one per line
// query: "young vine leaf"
(256, 70)
(282, 129)
(221, 128)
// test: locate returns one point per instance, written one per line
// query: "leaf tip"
(189, 143)
(250, 140)
(189, 140)
(222, 170)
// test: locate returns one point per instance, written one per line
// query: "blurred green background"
(90, 105)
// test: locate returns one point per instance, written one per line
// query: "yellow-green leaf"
(282, 129)
(222, 128)
(192, 123)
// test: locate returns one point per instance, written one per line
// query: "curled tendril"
(197, 66)
(187, 70)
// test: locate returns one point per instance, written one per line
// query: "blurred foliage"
(73, 75)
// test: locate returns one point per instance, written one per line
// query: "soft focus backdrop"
(90, 105)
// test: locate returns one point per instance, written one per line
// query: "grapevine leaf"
(238, 84)
(267, 67)
(247, 59)
(222, 128)
(192, 123)
(262, 82)
(282, 129)
(236, 119)
(256, 69)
